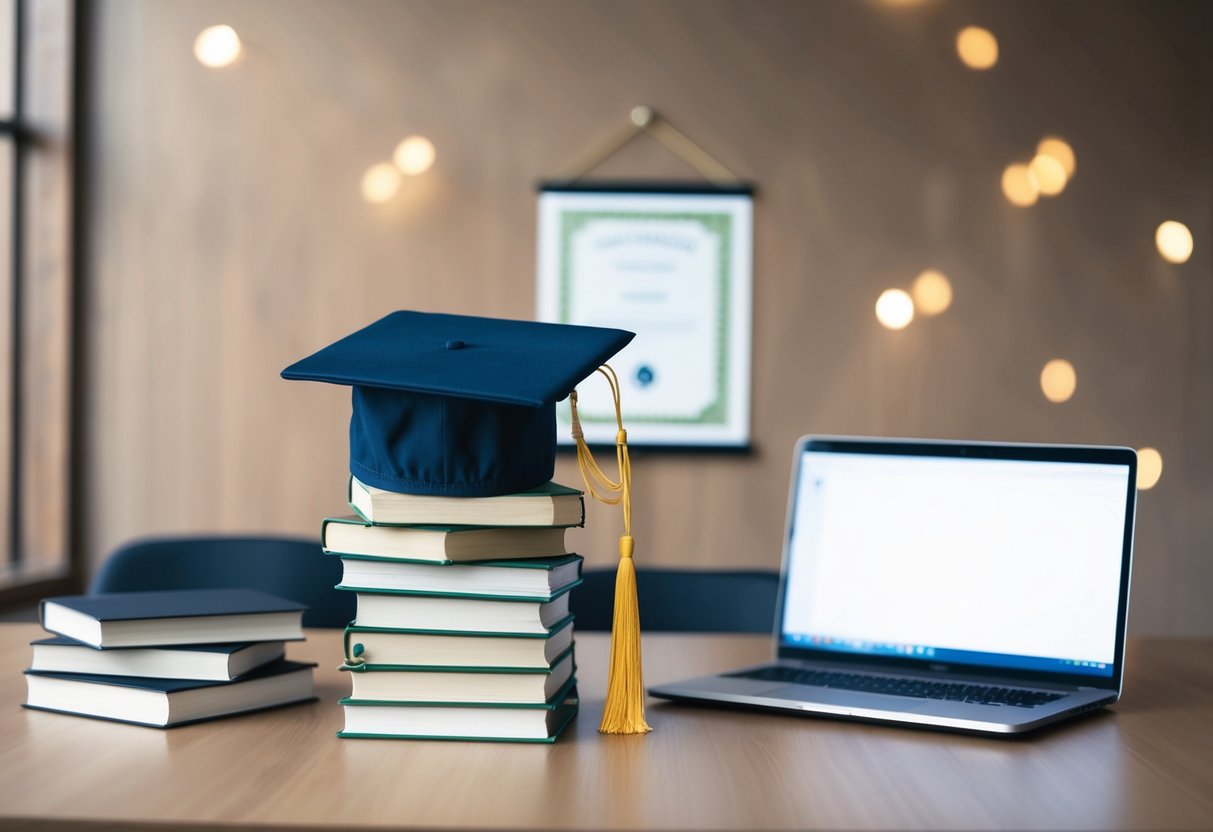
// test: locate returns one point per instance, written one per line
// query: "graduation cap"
(457, 406)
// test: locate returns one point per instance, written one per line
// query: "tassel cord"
(623, 712)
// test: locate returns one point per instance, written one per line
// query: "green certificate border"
(716, 224)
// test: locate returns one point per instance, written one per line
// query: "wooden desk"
(1146, 764)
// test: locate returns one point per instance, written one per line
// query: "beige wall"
(227, 238)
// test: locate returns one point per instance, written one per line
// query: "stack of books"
(463, 629)
(167, 658)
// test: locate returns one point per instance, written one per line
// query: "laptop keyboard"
(901, 686)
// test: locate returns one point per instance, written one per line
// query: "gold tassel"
(624, 709)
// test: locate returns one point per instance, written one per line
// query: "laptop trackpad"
(847, 698)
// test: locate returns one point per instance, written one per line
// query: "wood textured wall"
(227, 238)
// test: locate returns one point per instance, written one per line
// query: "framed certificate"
(673, 265)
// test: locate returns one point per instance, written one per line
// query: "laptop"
(967, 586)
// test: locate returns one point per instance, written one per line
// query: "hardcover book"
(408, 648)
(165, 703)
(550, 504)
(483, 685)
(439, 544)
(185, 616)
(448, 613)
(204, 662)
(443, 721)
(538, 578)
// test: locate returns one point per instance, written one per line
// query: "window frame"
(44, 555)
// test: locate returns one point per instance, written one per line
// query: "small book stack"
(463, 628)
(167, 658)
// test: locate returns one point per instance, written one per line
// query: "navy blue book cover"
(176, 685)
(181, 603)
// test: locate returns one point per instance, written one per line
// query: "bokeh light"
(1060, 150)
(1049, 173)
(932, 292)
(380, 182)
(1149, 468)
(415, 155)
(1174, 241)
(1058, 380)
(894, 309)
(977, 47)
(1019, 185)
(217, 46)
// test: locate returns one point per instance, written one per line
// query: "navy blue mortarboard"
(457, 406)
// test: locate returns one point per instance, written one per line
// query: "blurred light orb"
(1019, 185)
(932, 292)
(1149, 468)
(1060, 150)
(1049, 173)
(217, 46)
(977, 47)
(1058, 380)
(380, 182)
(894, 309)
(1174, 241)
(415, 155)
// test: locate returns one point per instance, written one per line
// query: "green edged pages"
(500, 722)
(382, 647)
(452, 613)
(439, 544)
(484, 685)
(550, 504)
(539, 579)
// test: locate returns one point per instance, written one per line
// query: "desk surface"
(1147, 763)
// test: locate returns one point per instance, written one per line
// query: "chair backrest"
(293, 568)
(683, 600)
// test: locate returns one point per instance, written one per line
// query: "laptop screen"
(1011, 563)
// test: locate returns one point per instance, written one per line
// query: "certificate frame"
(671, 262)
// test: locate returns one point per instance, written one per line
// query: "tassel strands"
(624, 709)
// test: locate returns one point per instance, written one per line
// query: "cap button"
(454, 344)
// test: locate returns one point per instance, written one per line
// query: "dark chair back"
(292, 568)
(683, 600)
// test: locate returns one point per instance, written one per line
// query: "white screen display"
(1019, 558)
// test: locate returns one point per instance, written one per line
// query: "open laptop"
(965, 586)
